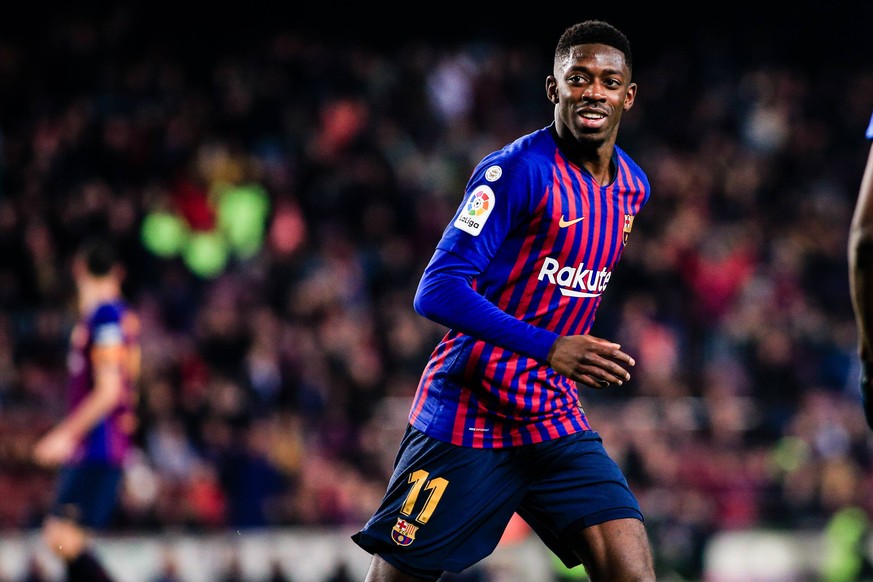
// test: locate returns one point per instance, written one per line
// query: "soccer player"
(91, 442)
(496, 426)
(861, 278)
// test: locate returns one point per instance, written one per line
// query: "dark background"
(829, 34)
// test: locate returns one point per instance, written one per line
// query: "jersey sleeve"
(445, 295)
(106, 327)
(496, 198)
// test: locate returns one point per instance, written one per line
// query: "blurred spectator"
(169, 569)
(340, 574)
(35, 571)
(277, 573)
(232, 570)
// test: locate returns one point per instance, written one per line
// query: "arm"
(445, 295)
(861, 278)
(59, 444)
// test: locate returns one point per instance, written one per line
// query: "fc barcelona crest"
(628, 224)
(403, 532)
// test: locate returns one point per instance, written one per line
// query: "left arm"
(861, 278)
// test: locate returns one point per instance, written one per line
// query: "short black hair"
(594, 32)
(99, 255)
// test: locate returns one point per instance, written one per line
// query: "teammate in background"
(861, 278)
(496, 425)
(91, 442)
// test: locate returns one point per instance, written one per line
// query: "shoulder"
(107, 313)
(531, 149)
(112, 322)
(628, 162)
(520, 160)
(115, 313)
(632, 171)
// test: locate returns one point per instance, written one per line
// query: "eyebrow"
(587, 69)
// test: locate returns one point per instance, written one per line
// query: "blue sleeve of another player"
(870, 128)
(106, 325)
(445, 295)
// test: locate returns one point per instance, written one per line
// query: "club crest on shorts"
(628, 224)
(403, 532)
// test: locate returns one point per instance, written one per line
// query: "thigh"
(614, 550)
(87, 494)
(577, 486)
(446, 506)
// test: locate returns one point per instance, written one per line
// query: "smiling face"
(591, 87)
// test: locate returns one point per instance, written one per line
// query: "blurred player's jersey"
(110, 333)
(546, 238)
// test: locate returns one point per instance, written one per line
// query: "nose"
(594, 91)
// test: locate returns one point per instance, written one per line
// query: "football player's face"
(591, 88)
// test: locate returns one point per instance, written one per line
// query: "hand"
(55, 448)
(590, 361)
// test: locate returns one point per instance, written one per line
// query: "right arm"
(445, 295)
(59, 444)
(114, 364)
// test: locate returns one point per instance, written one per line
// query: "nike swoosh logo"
(565, 223)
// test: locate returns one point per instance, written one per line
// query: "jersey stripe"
(475, 394)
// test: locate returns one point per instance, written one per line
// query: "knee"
(63, 537)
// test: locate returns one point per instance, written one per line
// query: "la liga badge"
(476, 210)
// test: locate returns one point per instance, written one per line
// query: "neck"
(601, 170)
(594, 156)
(95, 292)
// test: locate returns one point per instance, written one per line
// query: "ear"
(77, 267)
(631, 95)
(552, 89)
(119, 272)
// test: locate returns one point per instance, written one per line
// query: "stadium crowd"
(275, 385)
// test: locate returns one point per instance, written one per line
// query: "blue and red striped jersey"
(110, 332)
(540, 239)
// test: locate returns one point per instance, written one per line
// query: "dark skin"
(591, 89)
(861, 281)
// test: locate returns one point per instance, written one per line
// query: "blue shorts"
(87, 494)
(446, 506)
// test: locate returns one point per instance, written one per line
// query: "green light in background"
(242, 216)
(206, 253)
(164, 234)
(242, 213)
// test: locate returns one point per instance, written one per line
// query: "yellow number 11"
(436, 486)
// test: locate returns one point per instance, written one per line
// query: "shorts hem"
(604, 516)
(570, 559)
(384, 552)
